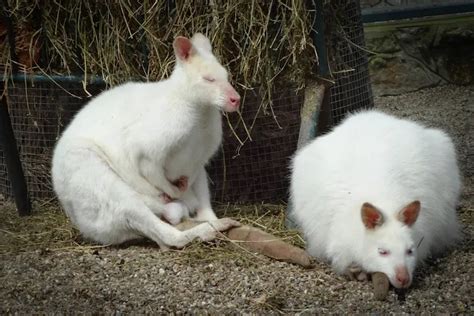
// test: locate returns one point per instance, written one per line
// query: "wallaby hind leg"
(146, 223)
(108, 210)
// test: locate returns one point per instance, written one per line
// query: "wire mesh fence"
(347, 58)
(251, 167)
(258, 170)
(254, 171)
(39, 111)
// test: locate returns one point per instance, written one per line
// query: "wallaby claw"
(166, 198)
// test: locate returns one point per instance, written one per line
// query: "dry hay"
(264, 44)
(48, 229)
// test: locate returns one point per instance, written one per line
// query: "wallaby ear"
(201, 41)
(183, 48)
(409, 213)
(371, 217)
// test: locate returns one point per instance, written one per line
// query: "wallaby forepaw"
(165, 198)
(355, 272)
(181, 183)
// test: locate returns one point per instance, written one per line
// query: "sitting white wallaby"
(137, 152)
(377, 194)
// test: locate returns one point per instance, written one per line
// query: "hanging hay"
(264, 44)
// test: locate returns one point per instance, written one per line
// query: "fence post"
(12, 160)
(316, 110)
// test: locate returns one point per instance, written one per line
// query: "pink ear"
(371, 217)
(409, 214)
(183, 48)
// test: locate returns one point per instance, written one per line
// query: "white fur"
(388, 162)
(124, 149)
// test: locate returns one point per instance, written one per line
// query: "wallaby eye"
(383, 252)
(209, 78)
(410, 252)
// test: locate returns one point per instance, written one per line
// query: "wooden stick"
(257, 240)
(12, 160)
(381, 285)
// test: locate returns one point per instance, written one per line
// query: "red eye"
(384, 252)
(209, 79)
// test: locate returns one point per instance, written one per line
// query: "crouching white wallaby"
(137, 152)
(377, 194)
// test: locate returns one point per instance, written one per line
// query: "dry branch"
(381, 285)
(257, 240)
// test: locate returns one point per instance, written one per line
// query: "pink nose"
(235, 101)
(402, 276)
(403, 280)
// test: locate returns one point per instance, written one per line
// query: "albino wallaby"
(137, 152)
(377, 194)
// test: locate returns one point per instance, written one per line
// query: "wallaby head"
(388, 243)
(206, 81)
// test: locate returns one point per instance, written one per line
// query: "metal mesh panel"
(258, 172)
(39, 112)
(347, 58)
(5, 189)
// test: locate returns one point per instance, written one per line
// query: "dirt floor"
(45, 267)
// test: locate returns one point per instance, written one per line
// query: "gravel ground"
(140, 278)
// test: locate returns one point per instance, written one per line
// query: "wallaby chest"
(197, 147)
